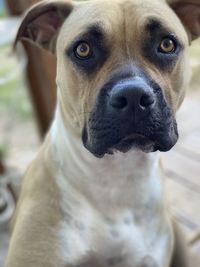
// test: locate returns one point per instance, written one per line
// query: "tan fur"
(43, 215)
(74, 207)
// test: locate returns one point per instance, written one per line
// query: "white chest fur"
(91, 240)
(113, 207)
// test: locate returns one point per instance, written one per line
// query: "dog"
(94, 195)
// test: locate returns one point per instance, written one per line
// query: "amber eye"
(83, 50)
(167, 45)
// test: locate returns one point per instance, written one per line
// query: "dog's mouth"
(133, 141)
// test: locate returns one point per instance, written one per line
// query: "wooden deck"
(182, 168)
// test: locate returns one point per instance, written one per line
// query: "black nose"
(132, 97)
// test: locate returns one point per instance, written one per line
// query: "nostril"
(119, 102)
(147, 100)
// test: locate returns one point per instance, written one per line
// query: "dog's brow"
(96, 31)
(153, 24)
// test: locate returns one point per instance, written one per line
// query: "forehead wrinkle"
(131, 13)
(125, 25)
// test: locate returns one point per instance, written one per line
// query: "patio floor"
(182, 168)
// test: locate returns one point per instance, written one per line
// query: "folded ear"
(189, 13)
(42, 22)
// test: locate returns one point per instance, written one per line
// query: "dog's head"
(121, 67)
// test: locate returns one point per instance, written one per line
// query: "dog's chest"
(115, 221)
(134, 235)
(123, 242)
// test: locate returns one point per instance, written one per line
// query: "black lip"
(134, 141)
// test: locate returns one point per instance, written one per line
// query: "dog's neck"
(118, 179)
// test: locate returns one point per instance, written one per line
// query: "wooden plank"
(191, 145)
(184, 169)
(184, 204)
(41, 73)
(188, 116)
(2, 168)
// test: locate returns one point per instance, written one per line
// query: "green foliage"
(13, 94)
(2, 13)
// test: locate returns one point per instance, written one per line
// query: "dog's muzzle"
(130, 112)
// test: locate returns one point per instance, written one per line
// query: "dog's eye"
(83, 50)
(167, 45)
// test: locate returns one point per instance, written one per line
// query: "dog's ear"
(189, 13)
(42, 22)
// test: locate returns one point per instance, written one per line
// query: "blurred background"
(27, 101)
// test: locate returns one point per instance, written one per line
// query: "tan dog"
(94, 197)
